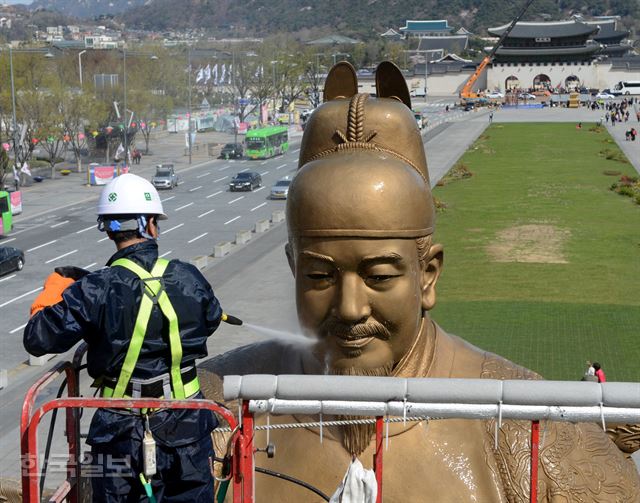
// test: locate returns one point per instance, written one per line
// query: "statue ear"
(341, 82)
(390, 83)
(430, 275)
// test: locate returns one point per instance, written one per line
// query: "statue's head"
(360, 217)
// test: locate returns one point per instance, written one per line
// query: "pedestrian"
(579, 125)
(145, 320)
(599, 373)
(606, 117)
(490, 117)
(590, 373)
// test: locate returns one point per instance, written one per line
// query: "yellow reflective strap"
(144, 313)
(174, 332)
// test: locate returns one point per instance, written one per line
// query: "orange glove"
(54, 285)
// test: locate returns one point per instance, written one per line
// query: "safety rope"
(322, 424)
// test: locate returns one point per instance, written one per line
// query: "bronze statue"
(360, 217)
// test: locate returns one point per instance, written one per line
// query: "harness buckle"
(148, 291)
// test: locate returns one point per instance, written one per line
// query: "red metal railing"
(241, 467)
(242, 448)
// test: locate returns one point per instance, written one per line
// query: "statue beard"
(356, 437)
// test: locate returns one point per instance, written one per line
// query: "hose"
(265, 471)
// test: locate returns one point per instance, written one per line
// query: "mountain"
(348, 17)
(88, 8)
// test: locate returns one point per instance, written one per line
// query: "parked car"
(526, 96)
(165, 177)
(604, 96)
(232, 151)
(468, 107)
(494, 95)
(247, 180)
(11, 259)
(281, 188)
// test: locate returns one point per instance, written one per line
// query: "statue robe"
(451, 460)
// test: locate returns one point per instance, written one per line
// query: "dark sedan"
(247, 180)
(11, 259)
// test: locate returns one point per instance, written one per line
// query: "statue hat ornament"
(362, 168)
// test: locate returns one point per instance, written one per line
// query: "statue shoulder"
(470, 361)
(266, 357)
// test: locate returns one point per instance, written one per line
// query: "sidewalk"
(70, 190)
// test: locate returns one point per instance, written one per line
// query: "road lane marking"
(5, 241)
(90, 265)
(206, 213)
(220, 179)
(41, 246)
(103, 239)
(259, 206)
(167, 199)
(226, 167)
(61, 256)
(204, 174)
(85, 230)
(195, 188)
(172, 229)
(23, 295)
(259, 189)
(236, 199)
(214, 194)
(59, 224)
(198, 237)
(243, 170)
(296, 150)
(227, 222)
(165, 253)
(184, 206)
(8, 277)
(280, 167)
(17, 328)
(265, 173)
(264, 162)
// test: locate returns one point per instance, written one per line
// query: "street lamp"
(16, 134)
(189, 104)
(80, 65)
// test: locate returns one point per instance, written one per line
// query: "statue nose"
(352, 302)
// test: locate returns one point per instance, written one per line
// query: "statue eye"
(319, 276)
(380, 278)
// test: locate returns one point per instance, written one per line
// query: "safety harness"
(153, 293)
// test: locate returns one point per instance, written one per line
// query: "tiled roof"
(552, 30)
(432, 25)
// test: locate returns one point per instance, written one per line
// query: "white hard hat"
(130, 194)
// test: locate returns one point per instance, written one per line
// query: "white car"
(526, 96)
(605, 96)
(494, 95)
(281, 189)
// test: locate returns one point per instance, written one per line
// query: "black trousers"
(183, 473)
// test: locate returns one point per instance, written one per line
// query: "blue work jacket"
(101, 309)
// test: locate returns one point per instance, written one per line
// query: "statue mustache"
(358, 331)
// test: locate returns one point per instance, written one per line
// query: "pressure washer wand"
(231, 320)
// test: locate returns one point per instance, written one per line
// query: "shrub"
(459, 172)
(439, 204)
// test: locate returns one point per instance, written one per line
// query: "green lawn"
(542, 260)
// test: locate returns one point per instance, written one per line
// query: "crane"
(466, 90)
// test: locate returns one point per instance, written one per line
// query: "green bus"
(267, 142)
(5, 213)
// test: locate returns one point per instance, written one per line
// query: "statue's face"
(362, 298)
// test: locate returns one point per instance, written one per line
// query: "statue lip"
(357, 343)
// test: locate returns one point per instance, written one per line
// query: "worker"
(146, 321)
